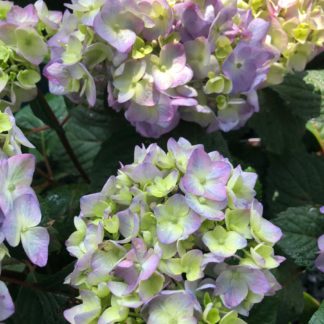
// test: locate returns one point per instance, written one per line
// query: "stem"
(43, 174)
(44, 128)
(19, 282)
(46, 161)
(15, 278)
(62, 136)
(34, 286)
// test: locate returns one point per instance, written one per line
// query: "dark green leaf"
(86, 130)
(266, 312)
(280, 130)
(57, 107)
(318, 317)
(311, 306)
(37, 306)
(301, 227)
(286, 305)
(35, 128)
(59, 206)
(295, 180)
(303, 92)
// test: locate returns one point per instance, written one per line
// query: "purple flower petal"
(206, 208)
(118, 26)
(7, 306)
(232, 289)
(319, 262)
(24, 215)
(320, 243)
(35, 242)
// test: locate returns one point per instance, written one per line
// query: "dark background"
(52, 4)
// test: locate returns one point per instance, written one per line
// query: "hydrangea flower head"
(167, 61)
(23, 48)
(20, 213)
(295, 32)
(169, 227)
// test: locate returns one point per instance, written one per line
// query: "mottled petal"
(35, 242)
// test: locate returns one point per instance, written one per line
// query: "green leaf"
(61, 202)
(303, 93)
(295, 180)
(59, 206)
(86, 130)
(266, 312)
(33, 126)
(301, 227)
(38, 306)
(311, 306)
(57, 105)
(280, 130)
(54, 282)
(288, 303)
(318, 317)
(316, 127)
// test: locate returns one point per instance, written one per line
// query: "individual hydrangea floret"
(177, 236)
(11, 137)
(20, 213)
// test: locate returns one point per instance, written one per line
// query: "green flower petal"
(162, 187)
(4, 77)
(238, 220)
(73, 52)
(192, 264)
(28, 78)
(114, 314)
(231, 318)
(5, 124)
(152, 286)
(30, 45)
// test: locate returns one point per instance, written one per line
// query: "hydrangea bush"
(176, 236)
(179, 235)
(20, 213)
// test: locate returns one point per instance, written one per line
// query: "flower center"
(11, 187)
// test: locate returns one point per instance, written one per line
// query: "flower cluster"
(161, 60)
(175, 237)
(296, 32)
(19, 208)
(22, 49)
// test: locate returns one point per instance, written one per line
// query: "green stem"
(56, 125)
